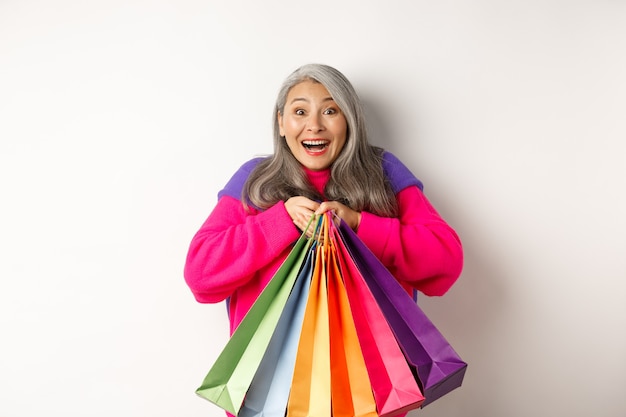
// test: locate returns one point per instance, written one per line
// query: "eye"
(299, 112)
(330, 111)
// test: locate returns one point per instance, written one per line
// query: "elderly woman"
(322, 161)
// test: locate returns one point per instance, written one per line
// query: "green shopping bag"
(269, 391)
(231, 375)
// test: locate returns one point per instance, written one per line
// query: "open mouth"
(315, 145)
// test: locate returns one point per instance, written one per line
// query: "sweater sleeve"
(232, 245)
(419, 248)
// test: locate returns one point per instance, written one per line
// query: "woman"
(322, 161)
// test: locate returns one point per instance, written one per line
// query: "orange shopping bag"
(350, 384)
(393, 384)
(310, 394)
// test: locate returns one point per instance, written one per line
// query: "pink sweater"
(235, 253)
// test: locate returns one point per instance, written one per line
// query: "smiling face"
(313, 125)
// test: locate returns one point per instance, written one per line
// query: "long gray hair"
(357, 178)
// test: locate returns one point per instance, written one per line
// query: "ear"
(279, 117)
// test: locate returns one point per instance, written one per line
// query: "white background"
(120, 121)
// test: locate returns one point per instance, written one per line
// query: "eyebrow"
(307, 100)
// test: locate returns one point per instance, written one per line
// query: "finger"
(305, 202)
(311, 205)
(324, 207)
(303, 219)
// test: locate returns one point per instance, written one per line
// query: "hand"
(351, 217)
(300, 210)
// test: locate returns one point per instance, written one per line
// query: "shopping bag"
(393, 384)
(351, 390)
(439, 368)
(230, 376)
(310, 394)
(269, 390)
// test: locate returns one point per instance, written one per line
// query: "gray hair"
(357, 178)
(342, 92)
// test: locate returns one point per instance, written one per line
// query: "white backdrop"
(120, 120)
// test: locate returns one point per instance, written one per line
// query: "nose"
(315, 123)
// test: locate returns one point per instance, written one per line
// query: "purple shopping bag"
(439, 368)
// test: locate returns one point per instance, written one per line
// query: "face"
(313, 126)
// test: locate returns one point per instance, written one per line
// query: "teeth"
(314, 142)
